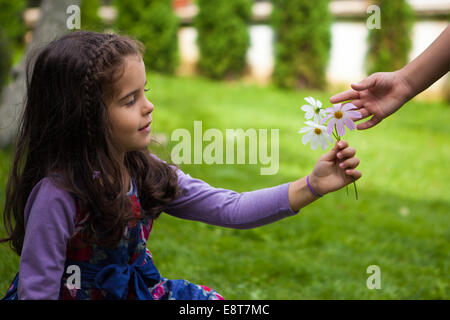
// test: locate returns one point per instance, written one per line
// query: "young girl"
(84, 190)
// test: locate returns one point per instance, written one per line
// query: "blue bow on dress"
(115, 278)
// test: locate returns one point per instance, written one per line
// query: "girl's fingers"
(342, 144)
(355, 174)
(346, 153)
(349, 163)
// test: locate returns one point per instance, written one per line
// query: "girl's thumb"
(331, 155)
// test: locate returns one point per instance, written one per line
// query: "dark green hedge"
(154, 23)
(5, 59)
(90, 20)
(390, 45)
(11, 20)
(223, 37)
(302, 42)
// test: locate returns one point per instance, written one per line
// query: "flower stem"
(338, 138)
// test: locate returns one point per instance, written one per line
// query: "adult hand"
(379, 95)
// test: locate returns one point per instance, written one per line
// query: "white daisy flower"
(313, 110)
(316, 134)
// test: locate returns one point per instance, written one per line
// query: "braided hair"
(65, 129)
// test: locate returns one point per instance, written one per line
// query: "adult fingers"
(364, 114)
(366, 83)
(344, 96)
(369, 123)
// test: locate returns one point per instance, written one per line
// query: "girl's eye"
(131, 102)
(134, 100)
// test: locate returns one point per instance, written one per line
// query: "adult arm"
(383, 93)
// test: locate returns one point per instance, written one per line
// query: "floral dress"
(125, 272)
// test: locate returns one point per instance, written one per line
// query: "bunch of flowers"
(326, 123)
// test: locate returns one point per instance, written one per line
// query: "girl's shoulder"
(47, 197)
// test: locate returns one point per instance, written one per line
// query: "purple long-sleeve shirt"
(50, 220)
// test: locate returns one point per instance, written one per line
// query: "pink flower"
(158, 292)
(341, 116)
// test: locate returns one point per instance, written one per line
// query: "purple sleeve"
(49, 223)
(201, 202)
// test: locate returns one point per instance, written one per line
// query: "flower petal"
(349, 123)
(340, 127)
(309, 115)
(318, 104)
(330, 139)
(317, 118)
(315, 142)
(310, 100)
(307, 137)
(307, 108)
(325, 119)
(323, 142)
(348, 106)
(330, 126)
(305, 129)
(330, 110)
(353, 114)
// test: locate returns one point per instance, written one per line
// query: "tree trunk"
(51, 25)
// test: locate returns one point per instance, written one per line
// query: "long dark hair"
(65, 128)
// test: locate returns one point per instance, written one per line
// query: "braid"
(90, 81)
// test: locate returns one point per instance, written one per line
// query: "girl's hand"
(328, 175)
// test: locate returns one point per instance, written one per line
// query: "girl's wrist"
(300, 195)
(312, 184)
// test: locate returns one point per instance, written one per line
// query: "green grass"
(399, 223)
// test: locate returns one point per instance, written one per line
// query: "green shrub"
(90, 20)
(5, 59)
(302, 42)
(389, 46)
(154, 23)
(11, 21)
(223, 37)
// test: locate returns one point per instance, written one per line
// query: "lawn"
(399, 223)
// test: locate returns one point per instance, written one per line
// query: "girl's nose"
(148, 107)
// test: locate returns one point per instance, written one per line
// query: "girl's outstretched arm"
(201, 202)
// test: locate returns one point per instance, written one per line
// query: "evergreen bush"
(302, 42)
(155, 24)
(223, 37)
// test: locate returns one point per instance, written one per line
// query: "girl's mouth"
(147, 126)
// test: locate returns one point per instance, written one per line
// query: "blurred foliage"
(302, 42)
(390, 45)
(90, 20)
(11, 20)
(12, 31)
(154, 23)
(5, 58)
(223, 37)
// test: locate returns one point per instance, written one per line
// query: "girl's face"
(130, 111)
